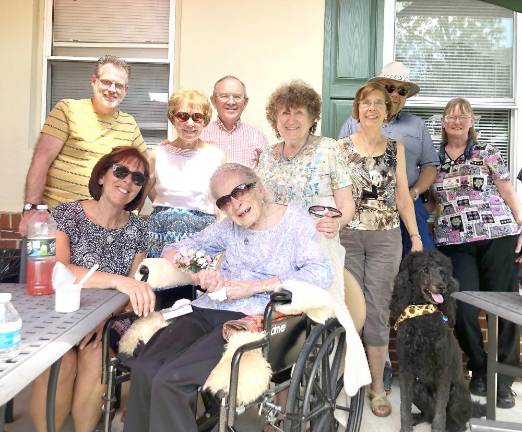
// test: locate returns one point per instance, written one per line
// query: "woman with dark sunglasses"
(182, 170)
(101, 231)
(264, 244)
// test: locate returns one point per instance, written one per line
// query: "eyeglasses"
(237, 193)
(121, 171)
(320, 211)
(453, 119)
(224, 97)
(107, 84)
(184, 116)
(390, 88)
(368, 103)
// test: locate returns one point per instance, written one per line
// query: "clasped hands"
(213, 280)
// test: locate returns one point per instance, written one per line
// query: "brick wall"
(9, 236)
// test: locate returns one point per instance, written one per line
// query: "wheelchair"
(307, 361)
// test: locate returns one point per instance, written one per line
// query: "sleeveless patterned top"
(374, 184)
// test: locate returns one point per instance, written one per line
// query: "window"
(80, 31)
(460, 48)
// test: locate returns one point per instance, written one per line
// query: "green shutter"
(353, 35)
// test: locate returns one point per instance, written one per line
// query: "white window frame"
(48, 57)
(513, 104)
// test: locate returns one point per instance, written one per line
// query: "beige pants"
(373, 257)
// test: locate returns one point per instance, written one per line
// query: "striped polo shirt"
(87, 136)
(241, 145)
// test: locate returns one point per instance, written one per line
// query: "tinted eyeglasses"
(390, 88)
(121, 171)
(320, 211)
(184, 116)
(237, 193)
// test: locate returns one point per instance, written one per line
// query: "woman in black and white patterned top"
(99, 231)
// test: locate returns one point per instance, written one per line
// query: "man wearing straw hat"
(421, 157)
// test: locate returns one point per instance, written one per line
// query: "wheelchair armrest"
(106, 341)
(277, 297)
(281, 297)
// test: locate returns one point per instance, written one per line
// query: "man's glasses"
(184, 116)
(321, 211)
(237, 193)
(390, 88)
(453, 119)
(224, 97)
(107, 84)
(121, 171)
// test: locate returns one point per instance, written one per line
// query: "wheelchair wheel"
(316, 383)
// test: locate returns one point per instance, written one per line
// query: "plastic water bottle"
(41, 252)
(10, 328)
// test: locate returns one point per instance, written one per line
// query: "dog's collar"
(412, 311)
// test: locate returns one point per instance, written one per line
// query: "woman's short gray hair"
(248, 175)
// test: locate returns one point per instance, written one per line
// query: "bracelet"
(415, 194)
(416, 235)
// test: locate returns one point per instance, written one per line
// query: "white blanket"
(356, 369)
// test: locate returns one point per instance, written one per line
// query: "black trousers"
(487, 265)
(168, 371)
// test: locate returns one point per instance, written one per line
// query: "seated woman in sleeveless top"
(373, 239)
(182, 169)
(100, 231)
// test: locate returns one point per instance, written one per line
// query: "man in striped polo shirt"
(239, 141)
(76, 134)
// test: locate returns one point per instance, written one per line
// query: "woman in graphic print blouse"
(477, 226)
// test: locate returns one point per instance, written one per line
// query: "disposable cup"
(67, 297)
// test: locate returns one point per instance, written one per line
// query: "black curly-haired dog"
(430, 359)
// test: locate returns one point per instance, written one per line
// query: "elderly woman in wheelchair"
(264, 245)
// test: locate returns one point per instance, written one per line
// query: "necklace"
(296, 153)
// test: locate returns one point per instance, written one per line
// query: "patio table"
(506, 305)
(47, 335)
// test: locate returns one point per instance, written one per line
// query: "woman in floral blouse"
(477, 226)
(303, 167)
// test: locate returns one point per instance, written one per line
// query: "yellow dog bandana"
(412, 311)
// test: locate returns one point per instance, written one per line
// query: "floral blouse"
(374, 186)
(469, 206)
(310, 177)
(288, 250)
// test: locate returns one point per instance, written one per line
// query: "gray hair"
(230, 77)
(248, 175)
(113, 60)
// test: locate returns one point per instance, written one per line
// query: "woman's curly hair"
(295, 94)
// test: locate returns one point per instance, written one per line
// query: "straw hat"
(396, 71)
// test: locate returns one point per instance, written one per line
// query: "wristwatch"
(29, 206)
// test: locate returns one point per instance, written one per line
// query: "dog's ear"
(401, 293)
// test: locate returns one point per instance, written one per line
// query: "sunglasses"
(121, 171)
(320, 211)
(184, 116)
(237, 193)
(390, 88)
